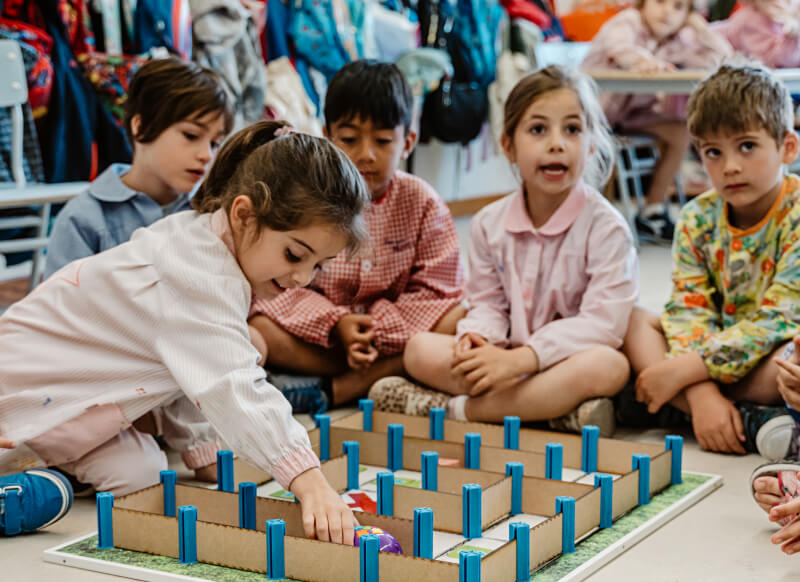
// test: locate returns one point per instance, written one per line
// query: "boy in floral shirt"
(736, 273)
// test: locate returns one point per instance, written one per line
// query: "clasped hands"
(479, 367)
(357, 333)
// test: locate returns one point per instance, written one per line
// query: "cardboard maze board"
(575, 502)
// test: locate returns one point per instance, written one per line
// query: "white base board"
(581, 572)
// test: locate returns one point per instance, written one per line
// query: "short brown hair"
(166, 91)
(553, 78)
(293, 180)
(740, 98)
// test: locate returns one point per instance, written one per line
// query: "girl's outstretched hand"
(325, 515)
(6, 444)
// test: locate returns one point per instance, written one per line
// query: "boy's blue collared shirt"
(102, 217)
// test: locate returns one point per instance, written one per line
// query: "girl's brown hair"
(293, 180)
(553, 78)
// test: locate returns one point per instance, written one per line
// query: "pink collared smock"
(563, 288)
(758, 36)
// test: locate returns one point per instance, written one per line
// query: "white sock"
(455, 407)
(651, 209)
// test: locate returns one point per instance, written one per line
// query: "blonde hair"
(527, 90)
(738, 98)
(292, 179)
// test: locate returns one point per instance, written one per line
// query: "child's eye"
(711, 153)
(347, 140)
(574, 129)
(215, 145)
(384, 141)
(189, 136)
(291, 257)
(747, 146)
(538, 128)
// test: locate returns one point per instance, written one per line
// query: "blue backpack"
(312, 27)
(467, 29)
(474, 39)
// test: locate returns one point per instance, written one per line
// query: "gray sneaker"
(769, 431)
(597, 412)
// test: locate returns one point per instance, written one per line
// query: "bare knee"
(642, 318)
(414, 357)
(605, 371)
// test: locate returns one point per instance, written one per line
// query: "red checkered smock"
(407, 278)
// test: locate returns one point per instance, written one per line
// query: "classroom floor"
(724, 537)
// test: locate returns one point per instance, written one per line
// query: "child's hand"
(7, 444)
(789, 376)
(207, 474)
(361, 357)
(657, 385)
(325, 515)
(652, 65)
(717, 424)
(767, 493)
(356, 333)
(468, 341)
(789, 534)
(697, 22)
(488, 367)
(355, 327)
(259, 343)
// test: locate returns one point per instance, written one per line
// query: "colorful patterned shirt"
(735, 293)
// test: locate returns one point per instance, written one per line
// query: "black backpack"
(467, 30)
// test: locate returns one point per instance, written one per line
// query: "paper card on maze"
(483, 546)
(588, 478)
(274, 490)
(500, 530)
(361, 500)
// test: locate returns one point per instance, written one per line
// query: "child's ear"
(791, 145)
(508, 148)
(136, 125)
(410, 143)
(242, 213)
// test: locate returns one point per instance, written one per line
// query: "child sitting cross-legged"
(350, 327)
(735, 276)
(552, 281)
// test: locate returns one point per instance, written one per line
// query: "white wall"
(458, 172)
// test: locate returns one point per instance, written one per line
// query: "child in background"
(736, 273)
(553, 278)
(176, 115)
(766, 30)
(159, 324)
(652, 37)
(408, 280)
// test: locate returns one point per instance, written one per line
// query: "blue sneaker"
(32, 500)
(305, 393)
